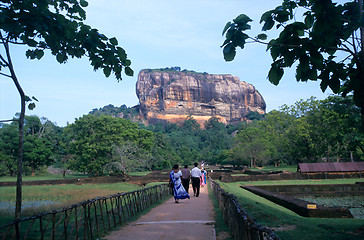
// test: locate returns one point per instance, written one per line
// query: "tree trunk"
(19, 180)
(33, 171)
(361, 69)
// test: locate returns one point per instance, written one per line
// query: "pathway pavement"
(190, 219)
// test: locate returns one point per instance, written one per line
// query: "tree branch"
(5, 75)
(10, 120)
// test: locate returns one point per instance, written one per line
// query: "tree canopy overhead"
(58, 26)
(325, 43)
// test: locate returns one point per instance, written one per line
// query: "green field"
(60, 195)
(287, 168)
(43, 177)
(287, 224)
(51, 176)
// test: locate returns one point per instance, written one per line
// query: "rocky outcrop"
(176, 95)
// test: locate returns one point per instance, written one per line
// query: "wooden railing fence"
(86, 220)
(241, 225)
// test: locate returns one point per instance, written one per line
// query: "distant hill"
(123, 111)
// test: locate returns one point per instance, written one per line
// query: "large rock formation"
(176, 95)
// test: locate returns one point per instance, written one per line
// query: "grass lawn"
(43, 177)
(289, 225)
(140, 173)
(289, 168)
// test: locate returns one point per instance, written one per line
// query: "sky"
(155, 34)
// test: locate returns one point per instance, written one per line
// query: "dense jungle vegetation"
(102, 143)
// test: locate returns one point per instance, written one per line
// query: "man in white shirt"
(195, 178)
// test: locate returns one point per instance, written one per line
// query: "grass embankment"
(221, 228)
(287, 224)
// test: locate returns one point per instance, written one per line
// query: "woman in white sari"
(179, 191)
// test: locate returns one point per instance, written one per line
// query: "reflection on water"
(354, 203)
(8, 206)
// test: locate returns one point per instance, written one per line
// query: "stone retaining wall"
(317, 190)
(301, 207)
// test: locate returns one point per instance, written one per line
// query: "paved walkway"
(190, 219)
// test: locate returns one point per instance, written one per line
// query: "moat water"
(354, 203)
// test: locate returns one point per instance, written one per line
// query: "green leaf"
(268, 25)
(241, 19)
(334, 83)
(107, 71)
(83, 3)
(231, 33)
(243, 26)
(61, 58)
(39, 54)
(113, 41)
(129, 71)
(31, 43)
(262, 36)
(266, 16)
(127, 63)
(27, 98)
(227, 26)
(282, 16)
(275, 73)
(309, 20)
(274, 52)
(30, 54)
(34, 98)
(121, 53)
(324, 84)
(229, 52)
(31, 106)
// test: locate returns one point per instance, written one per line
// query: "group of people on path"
(179, 181)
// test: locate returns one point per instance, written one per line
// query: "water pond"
(354, 203)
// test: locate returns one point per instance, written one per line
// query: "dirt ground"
(190, 219)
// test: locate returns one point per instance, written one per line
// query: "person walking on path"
(195, 178)
(179, 191)
(186, 174)
(192, 220)
(203, 178)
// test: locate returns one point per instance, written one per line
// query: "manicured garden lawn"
(239, 174)
(288, 168)
(140, 173)
(289, 225)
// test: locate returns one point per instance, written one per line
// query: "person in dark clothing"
(186, 174)
(195, 178)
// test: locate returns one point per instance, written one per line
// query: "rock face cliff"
(175, 95)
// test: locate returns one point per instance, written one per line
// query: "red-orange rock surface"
(175, 95)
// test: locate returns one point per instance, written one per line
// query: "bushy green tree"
(93, 137)
(40, 148)
(8, 148)
(323, 39)
(309, 131)
(252, 146)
